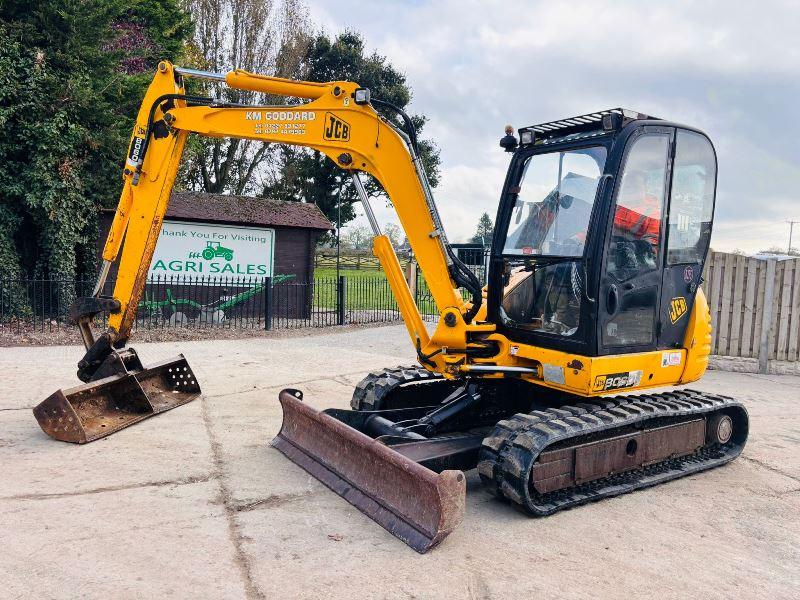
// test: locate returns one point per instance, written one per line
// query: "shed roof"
(199, 206)
(223, 208)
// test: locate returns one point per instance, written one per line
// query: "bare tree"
(392, 231)
(357, 237)
(262, 36)
(780, 250)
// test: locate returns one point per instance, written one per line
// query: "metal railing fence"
(42, 304)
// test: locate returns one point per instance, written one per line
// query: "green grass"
(367, 289)
(330, 273)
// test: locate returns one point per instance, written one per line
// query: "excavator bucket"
(410, 501)
(123, 393)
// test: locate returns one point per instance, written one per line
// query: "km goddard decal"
(280, 115)
(616, 381)
(195, 251)
(283, 122)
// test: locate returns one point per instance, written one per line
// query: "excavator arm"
(338, 120)
(417, 505)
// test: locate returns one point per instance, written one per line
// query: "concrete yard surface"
(194, 503)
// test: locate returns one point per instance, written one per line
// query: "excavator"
(541, 382)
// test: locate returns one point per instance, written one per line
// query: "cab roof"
(596, 123)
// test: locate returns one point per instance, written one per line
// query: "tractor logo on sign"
(336, 128)
(213, 250)
(677, 308)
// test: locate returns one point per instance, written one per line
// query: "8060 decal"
(616, 381)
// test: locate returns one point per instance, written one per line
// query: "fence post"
(268, 303)
(341, 300)
(766, 318)
(416, 289)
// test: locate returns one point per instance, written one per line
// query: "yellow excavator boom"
(352, 134)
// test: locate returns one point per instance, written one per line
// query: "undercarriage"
(540, 450)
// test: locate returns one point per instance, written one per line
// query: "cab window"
(632, 255)
(636, 228)
(544, 297)
(554, 203)
(692, 200)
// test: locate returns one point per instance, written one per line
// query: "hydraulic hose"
(460, 273)
(408, 124)
(197, 100)
(465, 278)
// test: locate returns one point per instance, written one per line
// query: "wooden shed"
(296, 225)
(215, 253)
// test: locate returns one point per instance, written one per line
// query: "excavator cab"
(602, 232)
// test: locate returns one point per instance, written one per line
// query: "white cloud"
(730, 68)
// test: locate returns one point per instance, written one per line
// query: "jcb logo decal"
(677, 308)
(335, 128)
(600, 383)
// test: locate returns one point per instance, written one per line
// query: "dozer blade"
(99, 408)
(410, 501)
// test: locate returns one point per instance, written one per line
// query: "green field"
(330, 273)
(358, 262)
(366, 289)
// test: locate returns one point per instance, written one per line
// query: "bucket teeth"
(99, 408)
(413, 503)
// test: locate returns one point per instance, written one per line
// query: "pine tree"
(483, 235)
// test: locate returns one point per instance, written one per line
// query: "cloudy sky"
(729, 68)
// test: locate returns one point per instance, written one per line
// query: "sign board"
(201, 251)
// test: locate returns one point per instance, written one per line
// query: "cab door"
(631, 280)
(688, 231)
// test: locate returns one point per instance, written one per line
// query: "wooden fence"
(755, 307)
(365, 260)
(755, 304)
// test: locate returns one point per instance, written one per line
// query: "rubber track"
(371, 391)
(508, 454)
